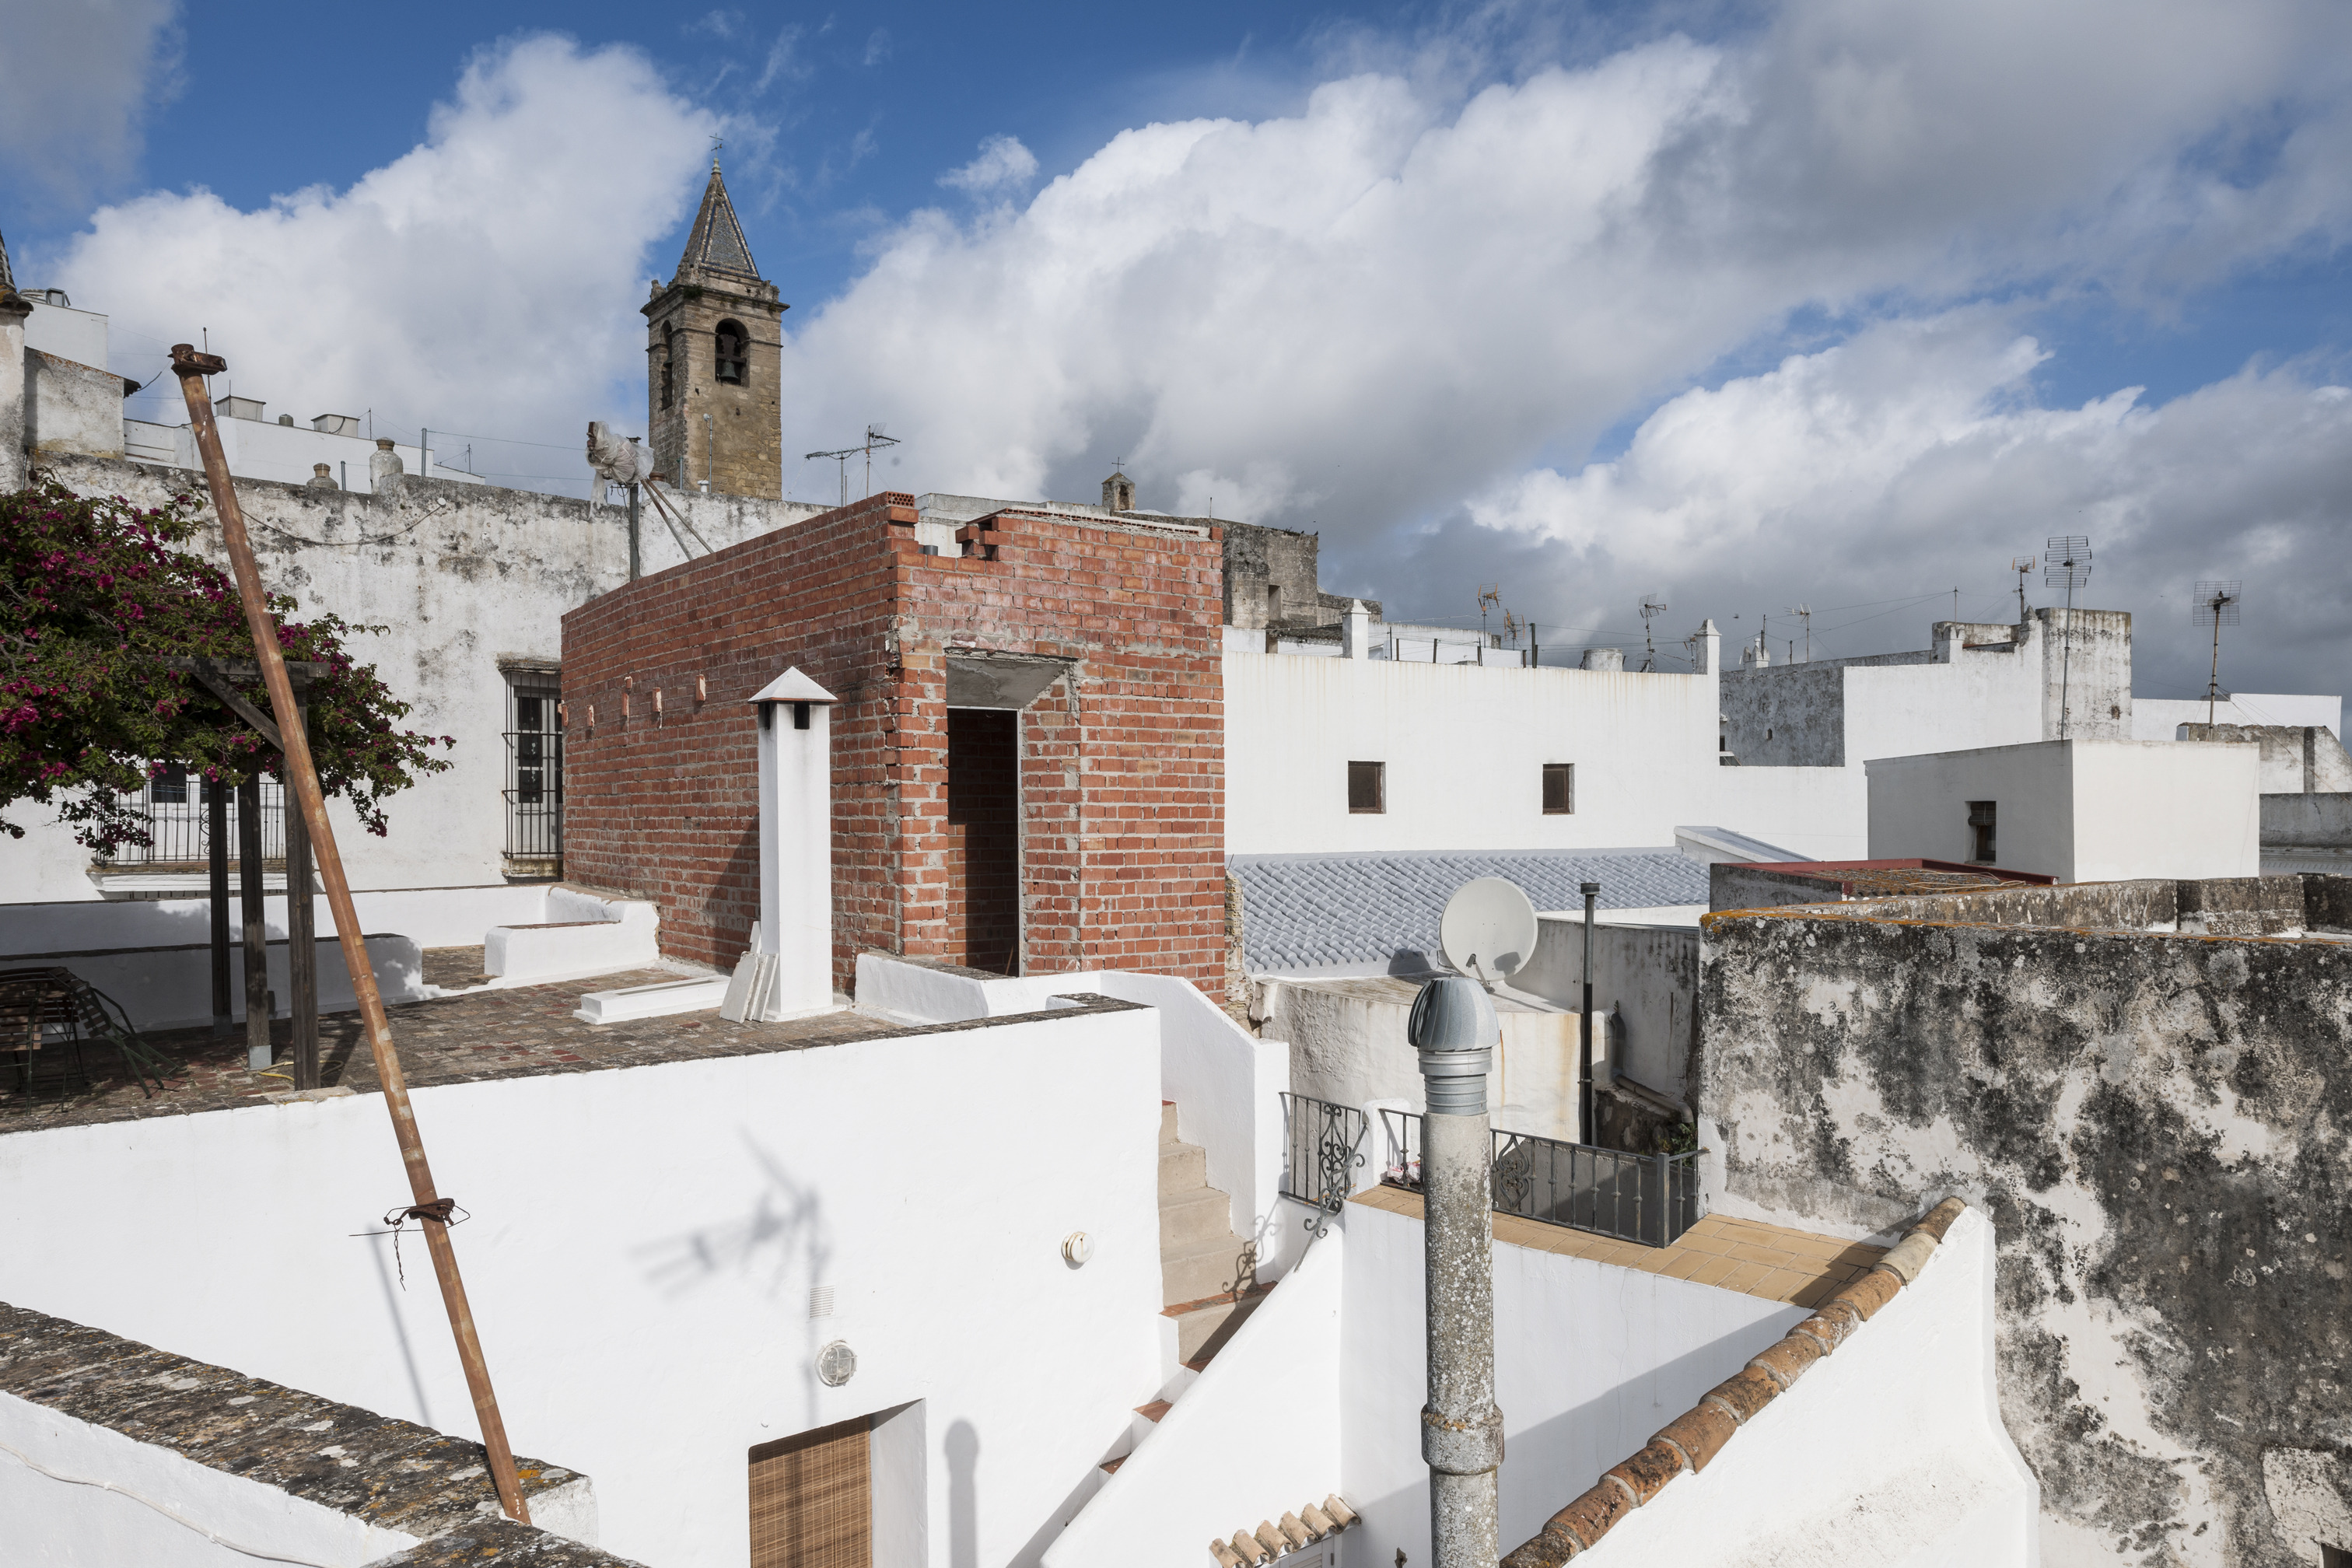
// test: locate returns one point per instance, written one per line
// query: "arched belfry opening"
(713, 350)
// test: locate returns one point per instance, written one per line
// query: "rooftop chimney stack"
(1356, 630)
(384, 463)
(788, 973)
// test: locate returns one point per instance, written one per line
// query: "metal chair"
(53, 1007)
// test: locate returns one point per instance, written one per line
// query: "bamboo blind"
(812, 1501)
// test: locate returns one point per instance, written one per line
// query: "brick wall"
(1121, 761)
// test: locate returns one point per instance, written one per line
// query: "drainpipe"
(1455, 1028)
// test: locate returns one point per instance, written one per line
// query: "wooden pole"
(216, 796)
(191, 367)
(249, 895)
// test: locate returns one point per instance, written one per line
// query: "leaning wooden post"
(216, 795)
(191, 367)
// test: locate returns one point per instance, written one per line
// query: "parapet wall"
(2160, 1124)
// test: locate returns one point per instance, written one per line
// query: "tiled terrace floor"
(482, 1034)
(1742, 1254)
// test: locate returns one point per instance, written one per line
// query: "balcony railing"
(1320, 1144)
(174, 804)
(1646, 1198)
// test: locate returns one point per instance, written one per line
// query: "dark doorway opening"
(984, 838)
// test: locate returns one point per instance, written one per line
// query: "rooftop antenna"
(1803, 613)
(2217, 606)
(874, 438)
(2067, 563)
(1652, 605)
(2020, 564)
(1489, 595)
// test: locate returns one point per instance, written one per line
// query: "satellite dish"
(1488, 930)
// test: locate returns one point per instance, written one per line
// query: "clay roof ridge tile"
(1692, 1440)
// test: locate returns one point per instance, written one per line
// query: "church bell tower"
(713, 347)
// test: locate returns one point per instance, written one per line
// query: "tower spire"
(717, 240)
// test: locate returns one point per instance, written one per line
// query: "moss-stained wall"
(2160, 1125)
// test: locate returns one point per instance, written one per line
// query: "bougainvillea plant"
(94, 596)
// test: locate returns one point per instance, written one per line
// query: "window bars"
(174, 805)
(1646, 1198)
(534, 791)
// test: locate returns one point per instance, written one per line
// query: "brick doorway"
(983, 839)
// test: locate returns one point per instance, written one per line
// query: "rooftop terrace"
(475, 1037)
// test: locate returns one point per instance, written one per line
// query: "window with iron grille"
(534, 775)
(173, 804)
(1368, 787)
(1559, 789)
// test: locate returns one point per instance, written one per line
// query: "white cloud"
(485, 281)
(1363, 315)
(1003, 165)
(76, 84)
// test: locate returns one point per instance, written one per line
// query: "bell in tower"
(713, 360)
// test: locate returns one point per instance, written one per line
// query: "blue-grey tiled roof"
(1303, 910)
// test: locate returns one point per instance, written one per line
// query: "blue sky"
(1750, 305)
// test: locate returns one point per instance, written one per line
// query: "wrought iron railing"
(174, 804)
(1648, 1198)
(1321, 1148)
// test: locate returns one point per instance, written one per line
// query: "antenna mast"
(2067, 563)
(2020, 564)
(1491, 595)
(2217, 606)
(1652, 605)
(1805, 613)
(874, 438)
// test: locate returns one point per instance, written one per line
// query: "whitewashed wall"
(1590, 1361)
(1646, 974)
(1256, 1435)
(459, 576)
(1890, 1451)
(1465, 747)
(2081, 810)
(641, 1255)
(1225, 1081)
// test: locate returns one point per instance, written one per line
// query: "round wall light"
(1077, 1248)
(836, 1363)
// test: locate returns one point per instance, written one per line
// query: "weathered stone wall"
(2296, 758)
(1279, 558)
(71, 408)
(1786, 717)
(2160, 1126)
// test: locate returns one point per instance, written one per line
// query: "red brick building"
(1028, 755)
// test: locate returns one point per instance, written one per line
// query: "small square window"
(1368, 787)
(1559, 789)
(169, 785)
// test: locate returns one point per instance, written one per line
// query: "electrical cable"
(179, 1519)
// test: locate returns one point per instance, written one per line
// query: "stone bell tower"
(713, 344)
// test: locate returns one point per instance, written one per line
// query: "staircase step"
(1200, 1270)
(1204, 1327)
(1182, 1166)
(1168, 1121)
(1202, 1214)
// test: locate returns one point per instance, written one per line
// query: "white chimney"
(788, 973)
(1356, 630)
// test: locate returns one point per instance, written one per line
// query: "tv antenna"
(1653, 606)
(1805, 613)
(874, 438)
(2217, 606)
(2020, 564)
(1491, 595)
(2067, 563)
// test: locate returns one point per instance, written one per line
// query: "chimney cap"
(792, 686)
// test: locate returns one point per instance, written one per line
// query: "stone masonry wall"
(1121, 758)
(2160, 1125)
